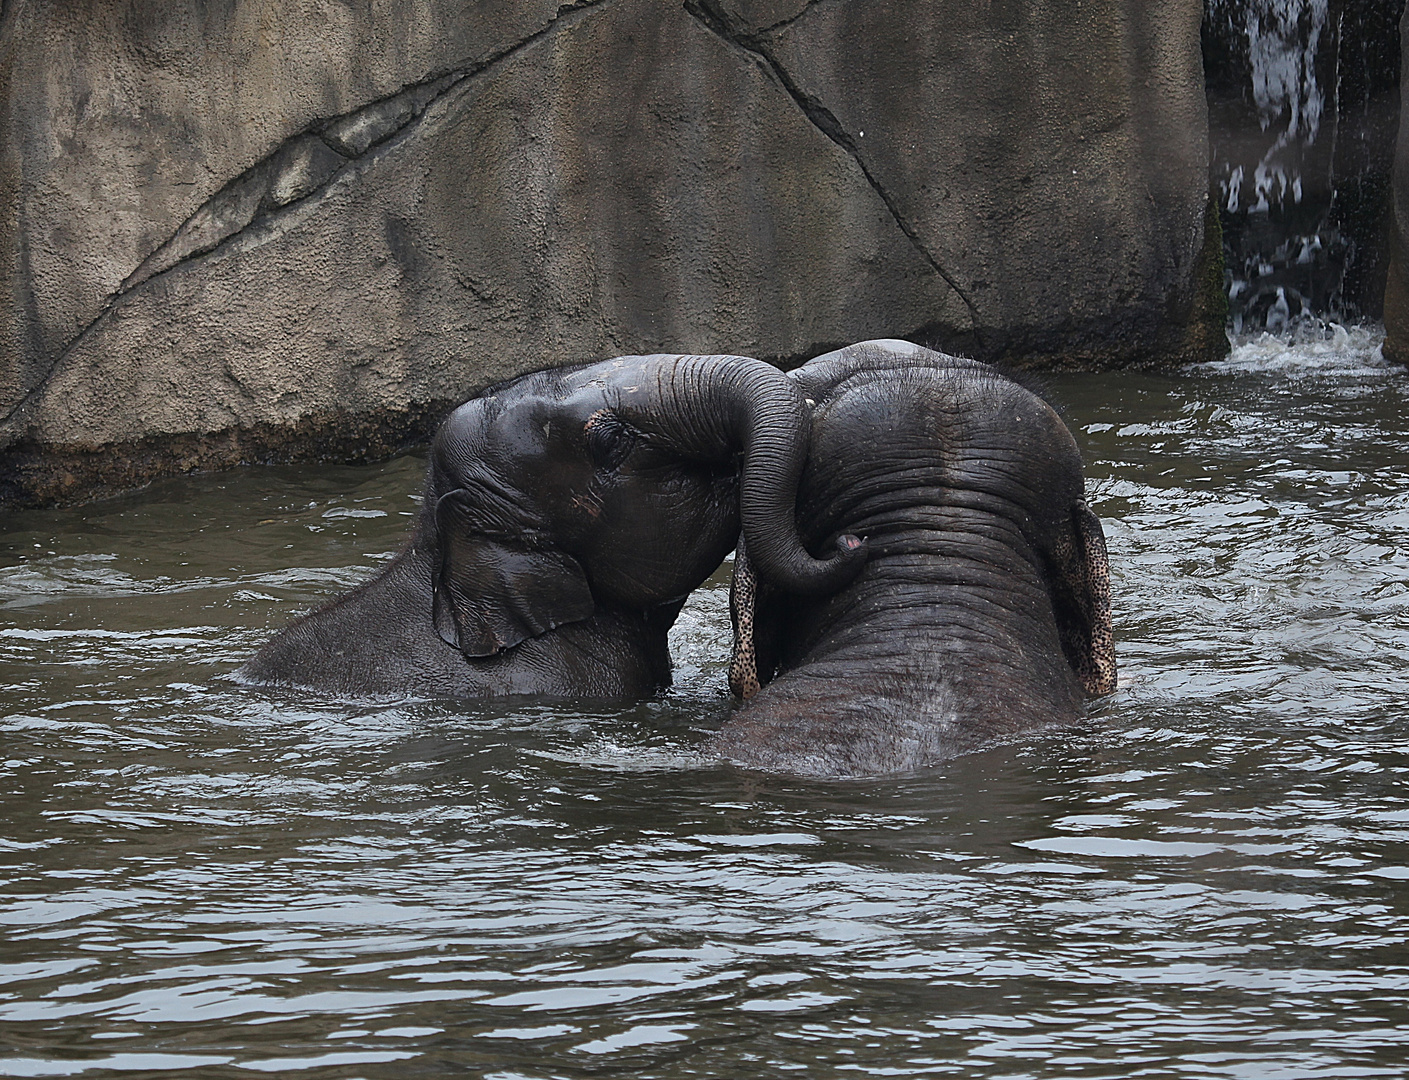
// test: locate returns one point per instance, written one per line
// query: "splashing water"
(1312, 347)
(1283, 38)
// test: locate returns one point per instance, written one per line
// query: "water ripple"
(1206, 879)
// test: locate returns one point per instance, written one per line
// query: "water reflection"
(1207, 880)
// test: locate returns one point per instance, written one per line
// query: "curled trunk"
(715, 406)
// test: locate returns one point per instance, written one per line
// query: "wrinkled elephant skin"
(984, 608)
(567, 514)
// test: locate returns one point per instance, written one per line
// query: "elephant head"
(619, 484)
(984, 608)
(566, 516)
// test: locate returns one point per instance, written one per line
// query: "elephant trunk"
(713, 407)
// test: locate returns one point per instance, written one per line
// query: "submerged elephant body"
(380, 641)
(984, 607)
(567, 514)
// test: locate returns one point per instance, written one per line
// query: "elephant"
(983, 609)
(566, 516)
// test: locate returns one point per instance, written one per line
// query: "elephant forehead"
(624, 375)
(576, 394)
(946, 403)
(882, 359)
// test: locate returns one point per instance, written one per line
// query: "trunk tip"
(838, 571)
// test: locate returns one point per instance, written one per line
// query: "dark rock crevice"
(303, 165)
(713, 17)
(306, 165)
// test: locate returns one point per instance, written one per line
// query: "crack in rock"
(300, 167)
(714, 18)
(308, 162)
(783, 24)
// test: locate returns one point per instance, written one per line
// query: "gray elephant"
(566, 516)
(984, 607)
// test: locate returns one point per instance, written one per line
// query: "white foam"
(607, 753)
(1307, 348)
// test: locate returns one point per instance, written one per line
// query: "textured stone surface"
(1049, 159)
(293, 225)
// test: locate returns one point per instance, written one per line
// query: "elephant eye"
(610, 439)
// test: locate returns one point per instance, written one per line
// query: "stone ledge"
(32, 475)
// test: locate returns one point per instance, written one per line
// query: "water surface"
(1207, 879)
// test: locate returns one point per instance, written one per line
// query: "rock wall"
(240, 230)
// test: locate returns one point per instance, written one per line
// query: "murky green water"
(1209, 879)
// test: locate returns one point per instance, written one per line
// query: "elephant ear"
(1082, 601)
(491, 593)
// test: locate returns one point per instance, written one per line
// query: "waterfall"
(1303, 115)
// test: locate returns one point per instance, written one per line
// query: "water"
(1208, 879)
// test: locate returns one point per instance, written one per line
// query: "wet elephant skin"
(984, 607)
(566, 516)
